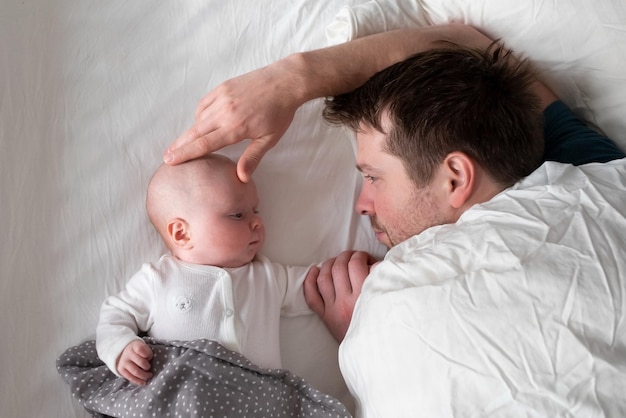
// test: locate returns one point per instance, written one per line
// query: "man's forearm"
(342, 68)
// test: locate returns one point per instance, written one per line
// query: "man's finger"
(358, 268)
(341, 274)
(311, 293)
(197, 148)
(204, 103)
(325, 284)
(197, 130)
(251, 157)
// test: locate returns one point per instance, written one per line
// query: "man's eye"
(369, 178)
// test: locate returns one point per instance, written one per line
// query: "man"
(498, 297)
(501, 294)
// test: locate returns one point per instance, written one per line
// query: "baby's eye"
(238, 215)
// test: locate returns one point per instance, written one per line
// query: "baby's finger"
(132, 379)
(140, 362)
(135, 374)
(143, 351)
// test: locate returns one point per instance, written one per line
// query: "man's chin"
(383, 238)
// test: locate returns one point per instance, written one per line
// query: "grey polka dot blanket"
(192, 379)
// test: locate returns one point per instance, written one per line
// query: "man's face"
(397, 209)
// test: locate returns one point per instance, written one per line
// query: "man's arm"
(260, 105)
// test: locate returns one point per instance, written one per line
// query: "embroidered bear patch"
(183, 303)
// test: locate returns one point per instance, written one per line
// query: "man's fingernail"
(168, 157)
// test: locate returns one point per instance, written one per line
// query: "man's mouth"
(379, 232)
(377, 228)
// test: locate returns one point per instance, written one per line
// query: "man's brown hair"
(480, 102)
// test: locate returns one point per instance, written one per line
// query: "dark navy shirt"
(569, 140)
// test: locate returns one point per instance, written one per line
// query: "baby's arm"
(122, 317)
(134, 362)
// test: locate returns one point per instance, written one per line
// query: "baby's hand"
(134, 362)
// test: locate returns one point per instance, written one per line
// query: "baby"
(214, 285)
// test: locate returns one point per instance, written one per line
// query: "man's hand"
(332, 290)
(259, 105)
(134, 362)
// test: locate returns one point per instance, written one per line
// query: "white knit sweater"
(172, 300)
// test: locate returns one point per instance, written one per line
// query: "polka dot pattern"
(198, 378)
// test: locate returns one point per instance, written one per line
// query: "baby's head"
(204, 213)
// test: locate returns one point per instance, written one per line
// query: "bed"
(92, 92)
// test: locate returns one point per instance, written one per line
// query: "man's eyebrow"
(366, 167)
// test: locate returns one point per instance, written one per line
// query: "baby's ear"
(178, 233)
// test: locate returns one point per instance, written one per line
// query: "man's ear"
(178, 232)
(460, 172)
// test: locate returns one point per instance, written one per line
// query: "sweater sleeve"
(124, 315)
(290, 280)
(569, 140)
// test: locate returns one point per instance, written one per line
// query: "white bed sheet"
(91, 92)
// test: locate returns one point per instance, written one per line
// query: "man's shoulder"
(552, 172)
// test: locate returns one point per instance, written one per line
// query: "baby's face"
(226, 229)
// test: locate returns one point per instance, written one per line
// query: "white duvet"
(91, 92)
(517, 310)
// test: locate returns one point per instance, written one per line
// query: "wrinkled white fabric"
(374, 16)
(516, 310)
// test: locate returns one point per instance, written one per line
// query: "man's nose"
(364, 204)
